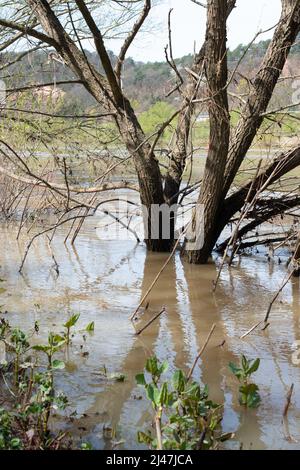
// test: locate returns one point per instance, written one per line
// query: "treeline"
(146, 83)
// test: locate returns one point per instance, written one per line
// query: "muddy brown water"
(105, 280)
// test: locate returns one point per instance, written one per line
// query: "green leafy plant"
(86, 446)
(29, 394)
(90, 327)
(7, 439)
(185, 417)
(20, 344)
(69, 325)
(248, 392)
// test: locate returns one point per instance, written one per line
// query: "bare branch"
(131, 36)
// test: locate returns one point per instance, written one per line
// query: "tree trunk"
(217, 210)
(150, 181)
(107, 92)
(212, 184)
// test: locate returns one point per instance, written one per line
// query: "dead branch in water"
(201, 351)
(277, 295)
(158, 431)
(285, 415)
(251, 330)
(150, 322)
(55, 265)
(159, 273)
(233, 239)
(288, 401)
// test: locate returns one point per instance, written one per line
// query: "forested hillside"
(146, 83)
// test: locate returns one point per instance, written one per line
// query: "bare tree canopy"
(65, 28)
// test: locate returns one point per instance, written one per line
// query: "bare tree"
(63, 26)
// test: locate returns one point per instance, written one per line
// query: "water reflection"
(104, 281)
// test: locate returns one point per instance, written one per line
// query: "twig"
(252, 329)
(55, 265)
(158, 431)
(158, 274)
(288, 401)
(266, 327)
(201, 352)
(277, 295)
(150, 322)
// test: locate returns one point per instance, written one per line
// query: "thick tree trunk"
(150, 181)
(219, 210)
(107, 92)
(212, 183)
(180, 149)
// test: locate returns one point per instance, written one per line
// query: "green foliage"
(24, 421)
(188, 419)
(86, 446)
(7, 439)
(90, 327)
(155, 116)
(248, 392)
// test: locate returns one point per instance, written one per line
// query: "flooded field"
(104, 281)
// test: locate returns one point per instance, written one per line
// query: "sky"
(188, 27)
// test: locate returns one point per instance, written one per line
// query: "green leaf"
(156, 396)
(163, 368)
(253, 368)
(72, 320)
(56, 364)
(249, 396)
(237, 371)
(90, 327)
(56, 339)
(40, 347)
(150, 392)
(151, 365)
(163, 395)
(245, 363)
(140, 379)
(179, 381)
(144, 438)
(86, 446)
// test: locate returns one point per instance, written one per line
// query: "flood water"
(104, 281)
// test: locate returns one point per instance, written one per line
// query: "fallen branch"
(159, 274)
(285, 415)
(277, 295)
(150, 322)
(288, 401)
(251, 329)
(202, 351)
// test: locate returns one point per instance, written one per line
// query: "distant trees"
(152, 118)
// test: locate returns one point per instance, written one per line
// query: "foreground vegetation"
(185, 418)
(29, 393)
